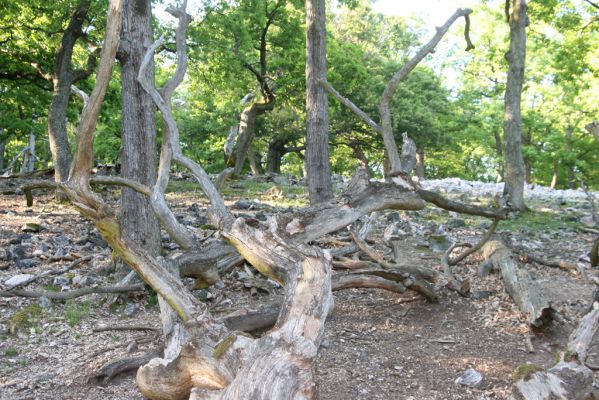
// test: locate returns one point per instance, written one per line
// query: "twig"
(124, 328)
(51, 272)
(476, 247)
(462, 288)
(71, 294)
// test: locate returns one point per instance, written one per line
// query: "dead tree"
(203, 358)
(401, 164)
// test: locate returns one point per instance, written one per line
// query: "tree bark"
(317, 161)
(593, 128)
(62, 78)
(499, 153)
(138, 157)
(420, 164)
(512, 119)
(555, 173)
(276, 151)
(2, 150)
(569, 166)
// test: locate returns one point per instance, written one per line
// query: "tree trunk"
(246, 132)
(593, 128)
(317, 160)
(527, 140)
(29, 155)
(420, 164)
(555, 173)
(62, 78)
(512, 120)
(570, 167)
(276, 151)
(255, 162)
(499, 153)
(138, 157)
(2, 151)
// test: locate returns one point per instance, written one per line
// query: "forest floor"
(377, 344)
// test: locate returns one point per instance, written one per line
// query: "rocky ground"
(378, 345)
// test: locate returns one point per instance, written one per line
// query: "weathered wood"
(518, 283)
(476, 247)
(570, 379)
(595, 254)
(450, 205)
(124, 364)
(71, 294)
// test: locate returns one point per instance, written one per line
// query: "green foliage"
(526, 371)
(11, 352)
(75, 312)
(25, 318)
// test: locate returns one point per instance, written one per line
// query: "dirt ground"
(377, 345)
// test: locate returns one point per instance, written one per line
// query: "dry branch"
(71, 294)
(124, 328)
(51, 272)
(518, 283)
(476, 247)
(450, 205)
(462, 288)
(125, 364)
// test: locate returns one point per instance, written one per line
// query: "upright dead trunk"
(499, 153)
(555, 173)
(138, 157)
(29, 156)
(512, 119)
(570, 166)
(420, 164)
(63, 77)
(255, 162)
(2, 150)
(317, 161)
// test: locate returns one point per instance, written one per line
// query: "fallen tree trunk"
(519, 284)
(569, 379)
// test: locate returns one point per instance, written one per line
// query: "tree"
(317, 120)
(138, 131)
(512, 120)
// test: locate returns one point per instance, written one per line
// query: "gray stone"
(470, 377)
(60, 281)
(132, 309)
(20, 238)
(132, 347)
(45, 302)
(84, 280)
(456, 223)
(243, 204)
(588, 221)
(18, 280)
(281, 180)
(364, 356)
(439, 243)
(26, 263)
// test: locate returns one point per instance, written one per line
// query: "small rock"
(243, 204)
(84, 280)
(45, 302)
(364, 356)
(481, 294)
(219, 285)
(131, 309)
(60, 281)
(456, 223)
(17, 280)
(81, 240)
(26, 263)
(439, 243)
(20, 238)
(204, 295)
(132, 347)
(588, 221)
(282, 180)
(470, 377)
(325, 344)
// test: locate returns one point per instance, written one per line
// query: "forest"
(284, 199)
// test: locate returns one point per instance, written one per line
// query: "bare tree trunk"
(317, 160)
(276, 151)
(555, 173)
(593, 128)
(30, 164)
(62, 78)
(138, 156)
(527, 140)
(569, 166)
(420, 164)
(499, 153)
(2, 150)
(512, 120)
(255, 162)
